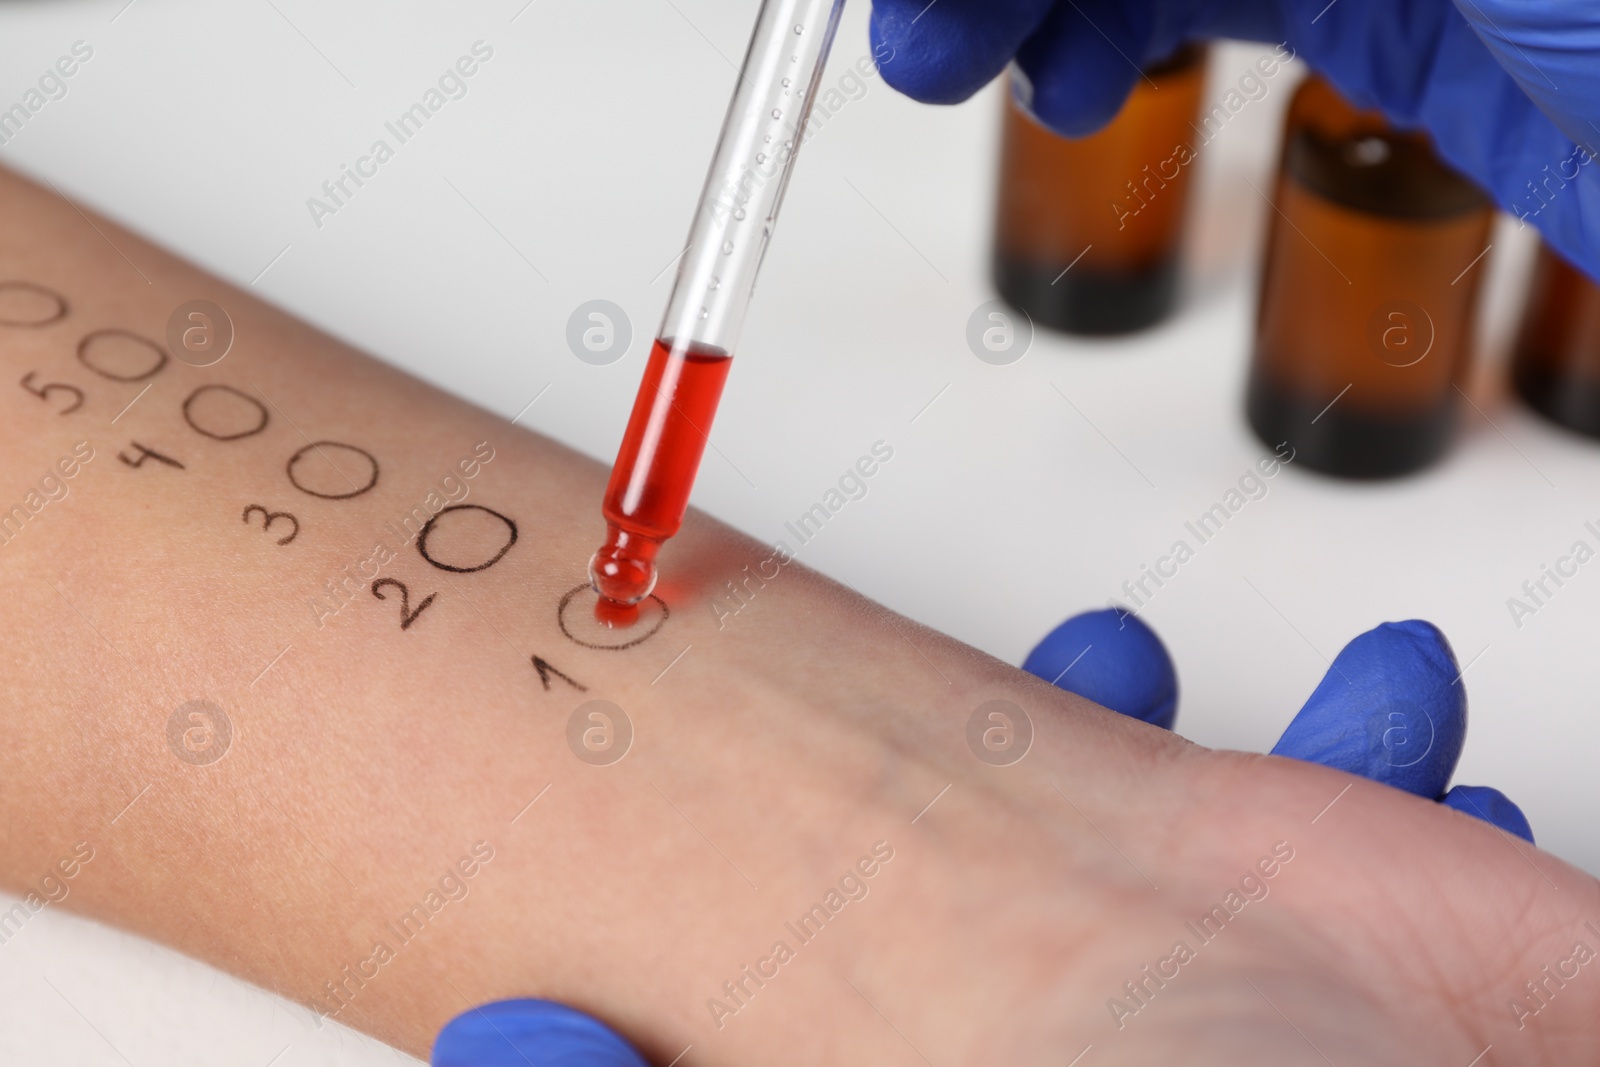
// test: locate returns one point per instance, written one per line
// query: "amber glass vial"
(1556, 368)
(1367, 293)
(1109, 206)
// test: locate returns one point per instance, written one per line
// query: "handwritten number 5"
(43, 392)
(270, 517)
(407, 616)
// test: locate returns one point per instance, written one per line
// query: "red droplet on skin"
(615, 616)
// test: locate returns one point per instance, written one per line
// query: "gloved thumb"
(515, 1033)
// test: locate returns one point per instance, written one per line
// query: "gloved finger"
(1490, 805)
(1551, 50)
(1080, 64)
(1077, 58)
(943, 52)
(1391, 708)
(1113, 659)
(515, 1033)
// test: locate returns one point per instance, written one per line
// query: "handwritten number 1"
(546, 671)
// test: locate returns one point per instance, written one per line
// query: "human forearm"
(367, 755)
(377, 741)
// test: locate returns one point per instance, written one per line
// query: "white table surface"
(577, 155)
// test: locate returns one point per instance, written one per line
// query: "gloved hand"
(1509, 89)
(1390, 708)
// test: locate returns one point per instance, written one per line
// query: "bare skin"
(368, 760)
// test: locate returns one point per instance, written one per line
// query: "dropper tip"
(623, 570)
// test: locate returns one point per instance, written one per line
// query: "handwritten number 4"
(148, 453)
(407, 616)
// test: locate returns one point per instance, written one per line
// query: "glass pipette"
(765, 125)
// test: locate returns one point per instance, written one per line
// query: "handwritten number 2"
(43, 392)
(407, 616)
(270, 517)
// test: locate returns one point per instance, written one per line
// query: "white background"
(578, 155)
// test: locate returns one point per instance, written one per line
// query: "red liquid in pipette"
(650, 483)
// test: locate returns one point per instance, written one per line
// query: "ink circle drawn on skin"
(422, 539)
(215, 435)
(57, 315)
(85, 345)
(317, 447)
(561, 620)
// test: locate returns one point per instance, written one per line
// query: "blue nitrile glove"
(1113, 659)
(516, 1033)
(1491, 806)
(1508, 88)
(1391, 708)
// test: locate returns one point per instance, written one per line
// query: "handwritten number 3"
(270, 517)
(407, 616)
